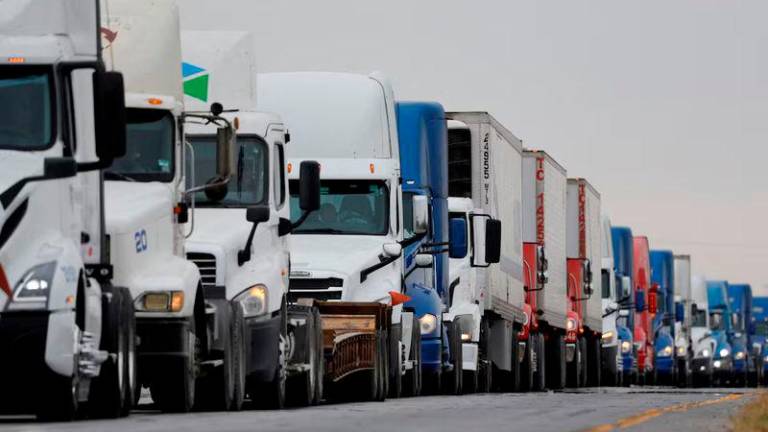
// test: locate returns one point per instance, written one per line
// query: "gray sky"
(661, 104)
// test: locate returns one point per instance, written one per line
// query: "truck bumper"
(431, 355)
(702, 366)
(25, 375)
(163, 343)
(628, 364)
(665, 365)
(739, 366)
(261, 338)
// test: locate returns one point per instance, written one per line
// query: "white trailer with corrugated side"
(544, 237)
(583, 250)
(484, 164)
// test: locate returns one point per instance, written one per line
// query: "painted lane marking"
(653, 413)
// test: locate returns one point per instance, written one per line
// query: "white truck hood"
(127, 204)
(342, 255)
(226, 228)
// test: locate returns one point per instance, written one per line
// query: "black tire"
(584, 372)
(59, 399)
(485, 368)
(173, 386)
(301, 387)
(556, 365)
(452, 384)
(271, 394)
(216, 390)
(107, 398)
(540, 374)
(412, 382)
(238, 358)
(395, 365)
(526, 367)
(132, 388)
(594, 375)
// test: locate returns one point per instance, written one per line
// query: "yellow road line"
(656, 412)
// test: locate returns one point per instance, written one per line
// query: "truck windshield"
(26, 108)
(698, 317)
(248, 185)
(346, 207)
(149, 147)
(716, 321)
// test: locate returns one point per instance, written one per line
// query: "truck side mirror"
(626, 286)
(420, 214)
(492, 241)
(425, 260)
(257, 214)
(458, 235)
(109, 115)
(59, 167)
(309, 186)
(623, 313)
(225, 143)
(679, 312)
(640, 301)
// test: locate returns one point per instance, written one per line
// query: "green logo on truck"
(195, 81)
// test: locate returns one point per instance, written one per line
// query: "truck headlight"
(570, 324)
(607, 336)
(253, 300)
(704, 353)
(32, 291)
(765, 359)
(739, 355)
(626, 347)
(665, 352)
(681, 351)
(427, 323)
(160, 301)
(724, 352)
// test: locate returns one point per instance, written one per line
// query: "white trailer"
(683, 302)
(544, 232)
(239, 238)
(347, 257)
(67, 332)
(484, 165)
(146, 210)
(584, 255)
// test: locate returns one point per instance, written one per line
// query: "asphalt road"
(633, 409)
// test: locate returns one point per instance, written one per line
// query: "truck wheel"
(509, 381)
(107, 398)
(132, 387)
(593, 362)
(216, 390)
(583, 362)
(556, 365)
(238, 359)
(173, 387)
(301, 387)
(395, 365)
(319, 355)
(485, 375)
(540, 349)
(59, 399)
(453, 381)
(526, 367)
(412, 384)
(271, 395)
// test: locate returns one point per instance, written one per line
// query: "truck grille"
(207, 265)
(318, 289)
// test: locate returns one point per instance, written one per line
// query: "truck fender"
(170, 274)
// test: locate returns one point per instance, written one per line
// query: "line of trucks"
(172, 220)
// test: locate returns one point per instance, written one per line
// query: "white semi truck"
(611, 294)
(347, 256)
(683, 309)
(703, 345)
(146, 210)
(583, 251)
(544, 237)
(239, 238)
(66, 328)
(484, 173)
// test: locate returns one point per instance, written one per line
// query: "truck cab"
(67, 330)
(645, 307)
(703, 344)
(682, 317)
(740, 299)
(760, 334)
(720, 325)
(625, 324)
(663, 280)
(610, 354)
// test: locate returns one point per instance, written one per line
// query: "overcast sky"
(661, 104)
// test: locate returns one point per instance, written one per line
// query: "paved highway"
(598, 410)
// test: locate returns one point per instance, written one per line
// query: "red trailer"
(645, 302)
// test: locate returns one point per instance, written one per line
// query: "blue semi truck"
(663, 277)
(759, 332)
(423, 140)
(720, 327)
(742, 340)
(623, 256)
